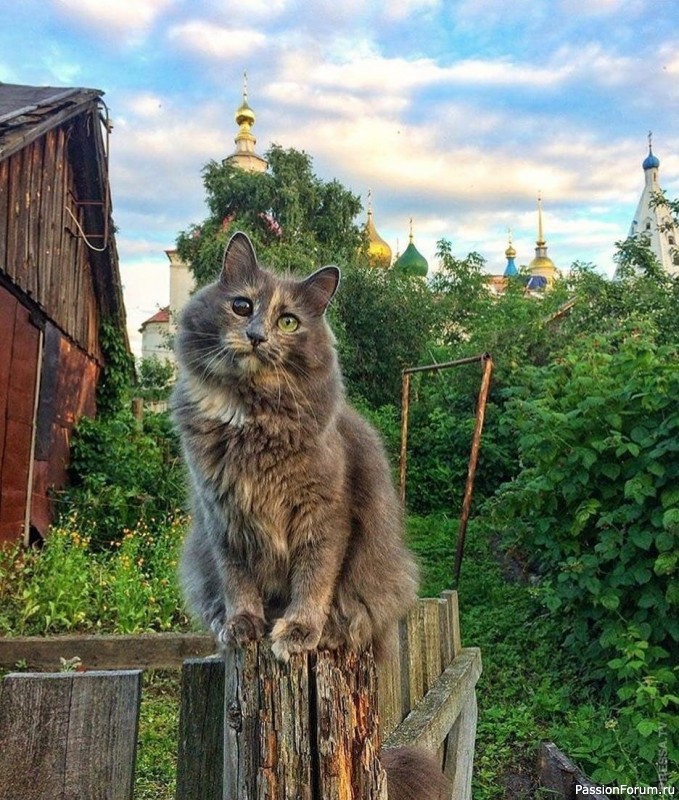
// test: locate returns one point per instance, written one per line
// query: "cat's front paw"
(242, 628)
(294, 635)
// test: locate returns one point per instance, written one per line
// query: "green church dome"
(411, 262)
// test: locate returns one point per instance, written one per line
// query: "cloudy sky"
(454, 112)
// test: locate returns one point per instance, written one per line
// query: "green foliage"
(155, 378)
(383, 323)
(114, 388)
(122, 474)
(66, 587)
(641, 295)
(297, 221)
(156, 768)
(597, 506)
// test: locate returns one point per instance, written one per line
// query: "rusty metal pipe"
(473, 461)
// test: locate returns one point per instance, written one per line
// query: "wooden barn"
(59, 279)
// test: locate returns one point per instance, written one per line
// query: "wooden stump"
(301, 731)
(69, 736)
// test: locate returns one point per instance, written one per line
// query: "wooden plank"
(412, 678)
(348, 731)
(200, 756)
(69, 736)
(428, 725)
(446, 633)
(389, 694)
(459, 758)
(59, 233)
(45, 230)
(4, 212)
(452, 599)
(24, 278)
(430, 638)
(144, 651)
(12, 262)
(32, 215)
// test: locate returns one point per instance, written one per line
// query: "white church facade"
(655, 222)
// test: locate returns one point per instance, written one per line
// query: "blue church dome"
(651, 161)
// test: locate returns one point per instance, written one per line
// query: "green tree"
(296, 220)
(155, 378)
(384, 323)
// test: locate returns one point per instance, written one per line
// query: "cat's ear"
(320, 287)
(240, 261)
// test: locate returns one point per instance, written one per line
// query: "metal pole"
(405, 406)
(473, 461)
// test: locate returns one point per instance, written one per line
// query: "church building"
(655, 223)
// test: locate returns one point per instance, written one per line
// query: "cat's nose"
(256, 336)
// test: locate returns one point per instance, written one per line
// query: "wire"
(84, 236)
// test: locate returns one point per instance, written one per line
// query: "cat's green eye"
(242, 306)
(288, 323)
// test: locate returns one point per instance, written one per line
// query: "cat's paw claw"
(242, 628)
(293, 636)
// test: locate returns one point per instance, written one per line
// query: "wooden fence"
(251, 728)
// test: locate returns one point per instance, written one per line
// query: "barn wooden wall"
(19, 353)
(52, 287)
(67, 392)
(40, 249)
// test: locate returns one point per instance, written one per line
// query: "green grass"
(156, 772)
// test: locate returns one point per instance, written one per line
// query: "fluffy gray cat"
(297, 529)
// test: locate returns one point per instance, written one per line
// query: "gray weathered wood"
(200, 756)
(559, 775)
(459, 758)
(429, 724)
(389, 694)
(446, 632)
(412, 679)
(430, 639)
(69, 736)
(141, 651)
(452, 599)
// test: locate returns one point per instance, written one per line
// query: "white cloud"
(209, 40)
(132, 20)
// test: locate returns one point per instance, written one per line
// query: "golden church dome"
(542, 265)
(379, 252)
(244, 114)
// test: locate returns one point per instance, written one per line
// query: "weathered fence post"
(306, 730)
(69, 736)
(309, 730)
(201, 730)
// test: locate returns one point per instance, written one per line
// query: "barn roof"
(26, 112)
(29, 112)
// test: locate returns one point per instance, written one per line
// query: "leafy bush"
(597, 506)
(65, 587)
(123, 474)
(155, 378)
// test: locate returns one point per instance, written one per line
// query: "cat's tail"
(413, 774)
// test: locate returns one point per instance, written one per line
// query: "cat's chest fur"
(257, 463)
